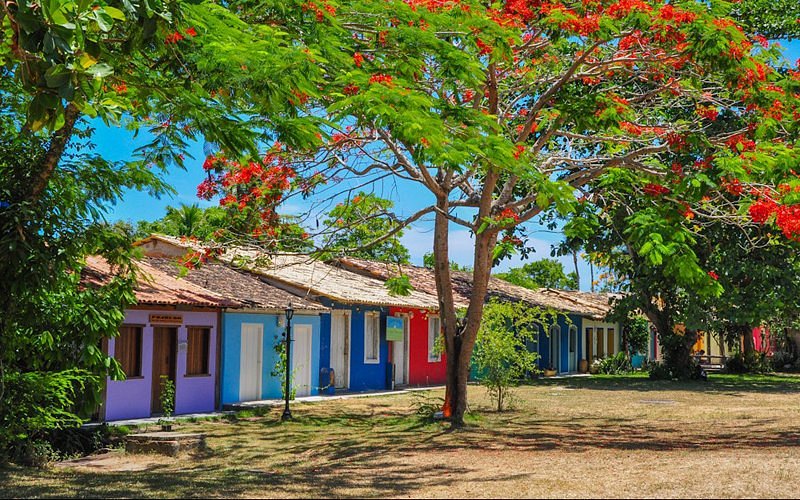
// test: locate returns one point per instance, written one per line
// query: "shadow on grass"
(718, 383)
(366, 450)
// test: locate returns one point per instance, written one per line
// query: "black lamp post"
(287, 414)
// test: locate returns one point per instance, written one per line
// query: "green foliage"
(502, 355)
(658, 371)
(359, 228)
(52, 327)
(545, 273)
(279, 370)
(167, 396)
(399, 285)
(618, 364)
(755, 362)
(775, 19)
(636, 335)
(33, 405)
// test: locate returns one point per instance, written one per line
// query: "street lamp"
(287, 414)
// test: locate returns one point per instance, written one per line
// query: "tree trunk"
(748, 345)
(575, 263)
(58, 143)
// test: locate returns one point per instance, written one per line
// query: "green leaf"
(100, 70)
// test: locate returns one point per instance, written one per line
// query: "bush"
(501, 352)
(37, 404)
(754, 363)
(658, 371)
(782, 361)
(617, 364)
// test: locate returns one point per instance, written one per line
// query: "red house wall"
(420, 371)
(761, 346)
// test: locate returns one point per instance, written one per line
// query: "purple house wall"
(131, 398)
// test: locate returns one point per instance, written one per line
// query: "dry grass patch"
(618, 437)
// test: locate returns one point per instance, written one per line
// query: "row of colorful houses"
(215, 331)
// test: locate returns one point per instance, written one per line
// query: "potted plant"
(167, 399)
(550, 371)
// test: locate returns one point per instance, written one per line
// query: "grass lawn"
(581, 437)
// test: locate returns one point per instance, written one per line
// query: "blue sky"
(119, 144)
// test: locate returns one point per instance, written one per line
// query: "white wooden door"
(340, 348)
(400, 356)
(301, 360)
(250, 369)
(573, 348)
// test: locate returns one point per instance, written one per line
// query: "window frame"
(139, 329)
(207, 330)
(432, 356)
(372, 325)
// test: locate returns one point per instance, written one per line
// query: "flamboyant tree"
(359, 221)
(499, 112)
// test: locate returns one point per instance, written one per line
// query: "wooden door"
(165, 347)
(340, 348)
(612, 344)
(250, 367)
(301, 360)
(590, 351)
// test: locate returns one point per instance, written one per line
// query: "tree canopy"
(500, 112)
(544, 273)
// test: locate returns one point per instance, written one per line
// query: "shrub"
(501, 352)
(43, 402)
(782, 361)
(752, 363)
(617, 364)
(636, 335)
(658, 371)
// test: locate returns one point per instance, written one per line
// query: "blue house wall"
(273, 334)
(543, 346)
(363, 376)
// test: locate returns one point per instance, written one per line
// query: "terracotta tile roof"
(307, 276)
(320, 279)
(242, 286)
(156, 287)
(586, 304)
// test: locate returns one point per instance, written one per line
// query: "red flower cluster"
(507, 213)
(177, 36)
(483, 47)
(708, 112)
(358, 59)
(713, 275)
(734, 187)
(761, 210)
(320, 12)
(381, 78)
(173, 38)
(788, 219)
(350, 89)
(740, 141)
(655, 190)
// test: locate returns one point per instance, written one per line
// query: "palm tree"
(186, 219)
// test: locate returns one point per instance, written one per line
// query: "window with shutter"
(197, 352)
(128, 350)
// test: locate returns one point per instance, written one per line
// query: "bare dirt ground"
(612, 437)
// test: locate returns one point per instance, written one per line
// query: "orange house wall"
(420, 371)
